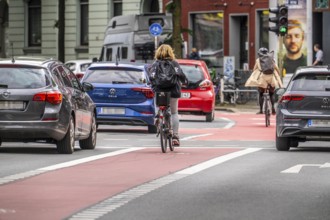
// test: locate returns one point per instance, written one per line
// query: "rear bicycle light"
(52, 97)
(147, 92)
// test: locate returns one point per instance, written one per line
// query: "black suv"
(41, 100)
(303, 110)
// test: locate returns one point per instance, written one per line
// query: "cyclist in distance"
(165, 54)
(265, 72)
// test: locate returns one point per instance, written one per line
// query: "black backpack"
(164, 74)
(267, 63)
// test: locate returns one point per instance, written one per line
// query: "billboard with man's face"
(294, 51)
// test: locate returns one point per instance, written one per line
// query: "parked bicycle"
(267, 106)
(163, 120)
(232, 93)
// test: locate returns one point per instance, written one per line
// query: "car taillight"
(205, 84)
(291, 97)
(53, 97)
(147, 92)
(79, 75)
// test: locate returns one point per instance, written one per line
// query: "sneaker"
(175, 140)
(260, 112)
(273, 111)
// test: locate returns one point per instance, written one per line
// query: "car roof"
(112, 64)
(79, 61)
(33, 61)
(191, 62)
(311, 70)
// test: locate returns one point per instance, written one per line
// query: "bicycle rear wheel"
(163, 137)
(267, 114)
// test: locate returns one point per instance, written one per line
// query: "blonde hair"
(163, 52)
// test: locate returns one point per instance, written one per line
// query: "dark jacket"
(175, 90)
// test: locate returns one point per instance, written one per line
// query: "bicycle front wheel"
(163, 137)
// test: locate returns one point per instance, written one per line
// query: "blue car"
(122, 94)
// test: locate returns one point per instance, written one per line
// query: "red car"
(198, 97)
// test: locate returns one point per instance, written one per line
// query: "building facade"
(74, 29)
(66, 29)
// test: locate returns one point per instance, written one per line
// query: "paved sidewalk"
(248, 107)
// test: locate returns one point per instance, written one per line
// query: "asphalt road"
(227, 169)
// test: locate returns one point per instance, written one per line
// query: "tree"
(175, 9)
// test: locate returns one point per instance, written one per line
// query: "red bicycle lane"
(242, 126)
(61, 193)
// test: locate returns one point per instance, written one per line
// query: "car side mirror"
(278, 93)
(87, 86)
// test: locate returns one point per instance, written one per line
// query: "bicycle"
(267, 106)
(163, 120)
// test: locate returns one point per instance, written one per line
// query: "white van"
(128, 37)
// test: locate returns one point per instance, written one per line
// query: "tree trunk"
(176, 37)
(61, 28)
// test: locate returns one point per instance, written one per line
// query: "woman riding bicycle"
(165, 53)
(259, 78)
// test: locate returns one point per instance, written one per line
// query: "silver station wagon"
(41, 100)
(303, 111)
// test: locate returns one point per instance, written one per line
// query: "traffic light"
(275, 20)
(283, 20)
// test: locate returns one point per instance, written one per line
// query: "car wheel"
(66, 145)
(90, 142)
(152, 129)
(210, 116)
(282, 143)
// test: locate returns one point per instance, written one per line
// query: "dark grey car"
(303, 111)
(41, 100)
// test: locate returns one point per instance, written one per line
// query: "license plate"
(112, 111)
(185, 95)
(319, 123)
(11, 105)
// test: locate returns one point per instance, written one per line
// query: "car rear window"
(311, 82)
(115, 76)
(193, 73)
(23, 78)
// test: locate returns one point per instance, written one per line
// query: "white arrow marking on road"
(297, 168)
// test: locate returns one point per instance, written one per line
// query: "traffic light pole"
(280, 50)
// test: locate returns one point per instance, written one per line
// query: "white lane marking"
(216, 161)
(112, 203)
(194, 136)
(230, 123)
(89, 159)
(31, 173)
(297, 168)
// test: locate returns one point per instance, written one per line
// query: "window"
(117, 7)
(84, 22)
(124, 52)
(65, 77)
(109, 54)
(206, 28)
(263, 28)
(34, 23)
(74, 81)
